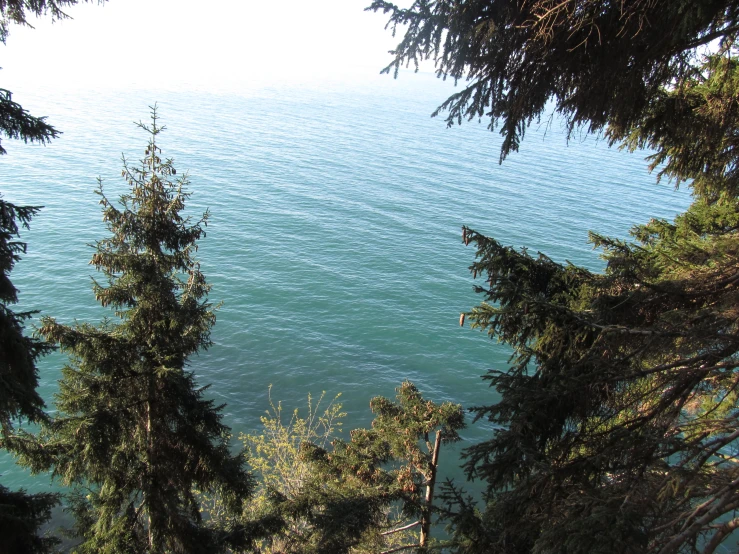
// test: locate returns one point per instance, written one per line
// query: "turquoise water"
(335, 242)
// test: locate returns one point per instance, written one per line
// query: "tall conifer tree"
(21, 514)
(618, 420)
(133, 428)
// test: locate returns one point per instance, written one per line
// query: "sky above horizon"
(177, 43)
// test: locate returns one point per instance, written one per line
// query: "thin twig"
(398, 529)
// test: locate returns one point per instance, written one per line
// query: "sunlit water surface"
(334, 242)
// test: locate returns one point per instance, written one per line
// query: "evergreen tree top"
(148, 259)
(132, 426)
(151, 221)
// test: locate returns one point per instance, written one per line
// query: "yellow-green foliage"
(278, 459)
(308, 482)
(274, 454)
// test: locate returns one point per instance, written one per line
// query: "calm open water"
(335, 242)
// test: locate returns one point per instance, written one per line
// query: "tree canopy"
(601, 62)
(617, 424)
(133, 429)
(318, 494)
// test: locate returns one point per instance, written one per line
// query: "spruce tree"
(133, 429)
(408, 435)
(21, 514)
(618, 419)
(344, 506)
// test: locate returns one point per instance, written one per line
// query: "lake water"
(335, 242)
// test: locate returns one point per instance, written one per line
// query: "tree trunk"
(426, 513)
(150, 464)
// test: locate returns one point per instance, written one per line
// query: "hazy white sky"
(206, 44)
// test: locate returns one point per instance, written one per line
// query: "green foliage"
(21, 514)
(21, 517)
(333, 496)
(602, 62)
(275, 455)
(133, 430)
(302, 506)
(692, 127)
(620, 407)
(395, 462)
(17, 123)
(18, 353)
(282, 472)
(618, 421)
